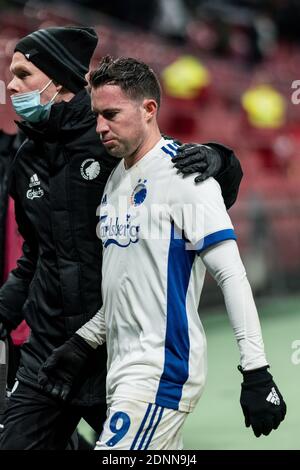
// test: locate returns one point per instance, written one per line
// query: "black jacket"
(58, 177)
(7, 150)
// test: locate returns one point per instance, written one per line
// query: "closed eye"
(22, 75)
(109, 114)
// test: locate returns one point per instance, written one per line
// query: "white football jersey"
(153, 222)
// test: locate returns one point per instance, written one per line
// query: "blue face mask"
(28, 105)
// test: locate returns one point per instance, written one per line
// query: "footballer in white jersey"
(160, 231)
(152, 224)
(155, 226)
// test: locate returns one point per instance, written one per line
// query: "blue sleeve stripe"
(213, 238)
(172, 146)
(168, 151)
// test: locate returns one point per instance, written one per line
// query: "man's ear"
(58, 86)
(150, 106)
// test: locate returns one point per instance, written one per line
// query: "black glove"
(196, 158)
(60, 371)
(261, 401)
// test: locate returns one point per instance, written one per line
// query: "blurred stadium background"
(229, 72)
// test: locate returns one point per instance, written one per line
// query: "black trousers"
(34, 421)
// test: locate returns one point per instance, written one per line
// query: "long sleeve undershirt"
(225, 265)
(94, 332)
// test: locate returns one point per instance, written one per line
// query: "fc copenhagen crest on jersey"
(139, 193)
(90, 169)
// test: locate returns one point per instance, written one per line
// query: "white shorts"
(136, 425)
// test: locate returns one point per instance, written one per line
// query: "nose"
(102, 126)
(12, 86)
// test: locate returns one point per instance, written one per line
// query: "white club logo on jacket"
(90, 169)
(35, 188)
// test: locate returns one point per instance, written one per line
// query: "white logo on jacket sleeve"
(90, 169)
(35, 188)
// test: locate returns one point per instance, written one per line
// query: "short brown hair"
(134, 77)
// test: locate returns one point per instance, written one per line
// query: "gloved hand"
(60, 371)
(261, 401)
(196, 158)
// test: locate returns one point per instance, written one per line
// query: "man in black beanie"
(57, 181)
(63, 54)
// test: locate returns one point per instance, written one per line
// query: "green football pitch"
(218, 422)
